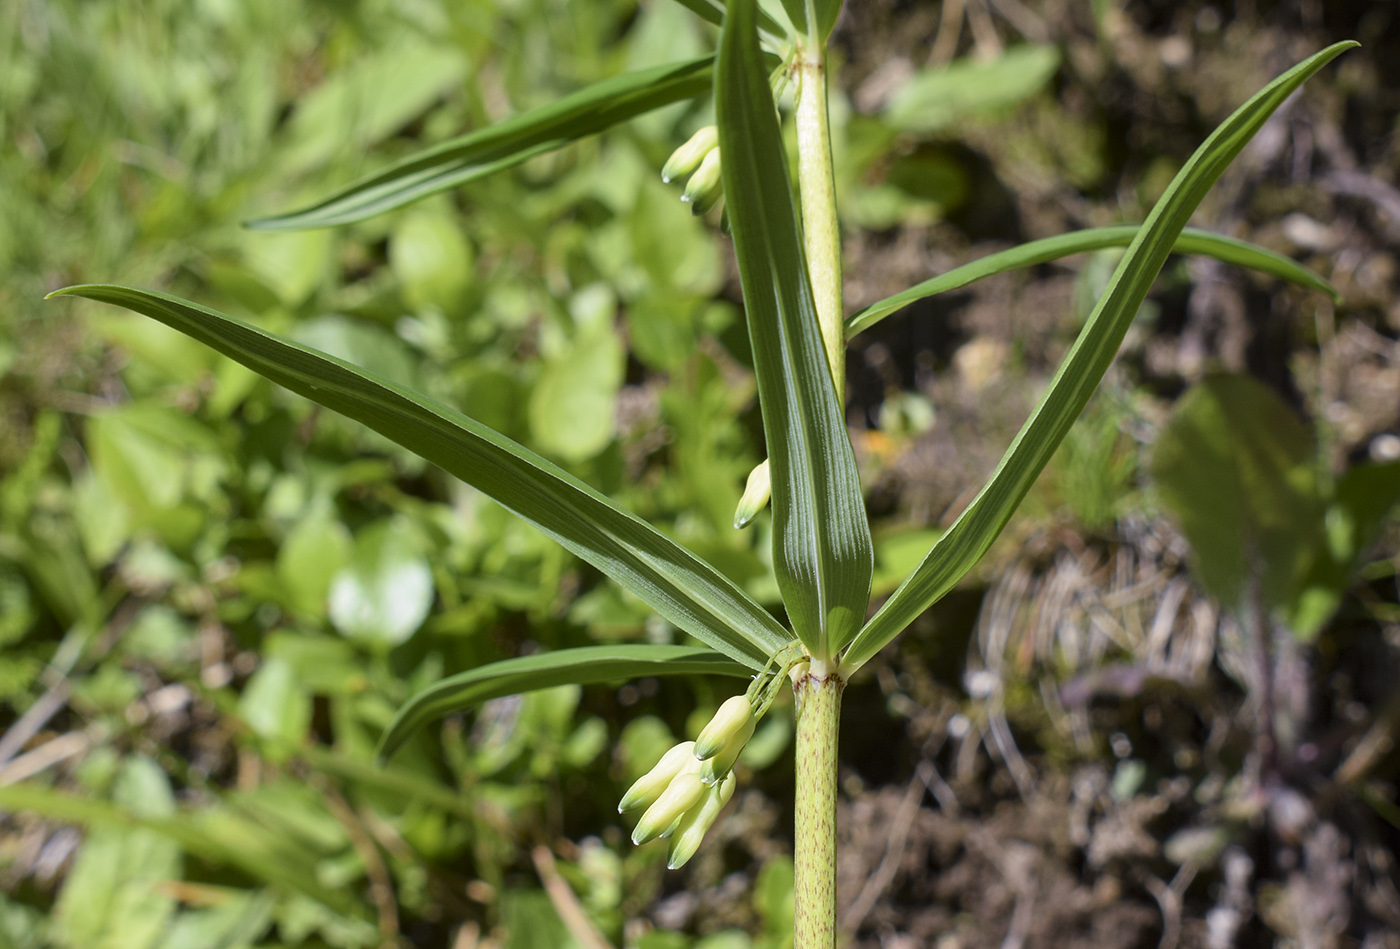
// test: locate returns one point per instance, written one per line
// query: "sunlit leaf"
(1191, 241)
(678, 585)
(274, 705)
(432, 260)
(822, 552)
(964, 543)
(582, 666)
(503, 145)
(383, 595)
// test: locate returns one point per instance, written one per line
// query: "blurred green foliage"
(1270, 529)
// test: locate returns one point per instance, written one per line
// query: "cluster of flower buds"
(699, 155)
(691, 783)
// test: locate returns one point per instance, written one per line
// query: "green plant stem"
(817, 190)
(818, 706)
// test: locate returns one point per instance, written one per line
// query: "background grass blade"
(1191, 241)
(681, 587)
(583, 666)
(499, 146)
(821, 539)
(958, 549)
(217, 837)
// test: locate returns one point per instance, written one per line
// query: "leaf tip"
(76, 290)
(277, 222)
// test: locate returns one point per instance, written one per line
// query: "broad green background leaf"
(1191, 241)
(310, 556)
(531, 921)
(582, 666)
(964, 543)
(1364, 499)
(290, 265)
(573, 408)
(275, 705)
(1361, 503)
(363, 344)
(822, 552)
(383, 595)
(1237, 468)
(504, 144)
(681, 587)
(432, 260)
(158, 468)
(936, 98)
(112, 898)
(363, 104)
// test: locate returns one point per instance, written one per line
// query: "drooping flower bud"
(650, 786)
(683, 792)
(716, 767)
(704, 190)
(688, 157)
(697, 821)
(756, 493)
(733, 716)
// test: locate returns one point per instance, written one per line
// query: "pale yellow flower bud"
(688, 157)
(703, 189)
(683, 792)
(697, 821)
(756, 493)
(733, 716)
(722, 762)
(650, 785)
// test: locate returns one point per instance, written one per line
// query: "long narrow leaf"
(1191, 241)
(507, 143)
(822, 553)
(963, 544)
(674, 582)
(585, 665)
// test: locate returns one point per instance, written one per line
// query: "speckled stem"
(818, 725)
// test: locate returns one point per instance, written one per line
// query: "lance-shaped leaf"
(670, 579)
(586, 665)
(1191, 241)
(962, 545)
(821, 539)
(507, 143)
